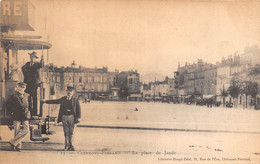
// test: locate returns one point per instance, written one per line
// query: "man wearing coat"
(17, 107)
(32, 79)
(69, 115)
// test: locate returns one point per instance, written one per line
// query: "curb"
(162, 129)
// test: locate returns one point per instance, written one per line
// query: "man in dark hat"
(69, 115)
(20, 114)
(32, 79)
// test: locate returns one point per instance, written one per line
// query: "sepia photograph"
(130, 81)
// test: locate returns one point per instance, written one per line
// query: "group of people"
(209, 103)
(21, 109)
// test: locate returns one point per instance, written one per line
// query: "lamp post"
(201, 85)
(211, 84)
(73, 66)
(245, 90)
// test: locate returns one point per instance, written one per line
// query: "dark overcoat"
(31, 75)
(17, 106)
(61, 101)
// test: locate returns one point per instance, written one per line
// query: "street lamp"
(211, 84)
(201, 85)
(245, 90)
(73, 66)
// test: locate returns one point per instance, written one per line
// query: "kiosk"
(16, 16)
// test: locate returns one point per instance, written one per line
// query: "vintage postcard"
(130, 81)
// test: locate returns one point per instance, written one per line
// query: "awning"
(158, 97)
(208, 96)
(115, 88)
(148, 98)
(135, 95)
(26, 44)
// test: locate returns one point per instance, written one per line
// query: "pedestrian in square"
(20, 114)
(69, 115)
(210, 103)
(207, 102)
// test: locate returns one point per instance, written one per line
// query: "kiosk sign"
(17, 14)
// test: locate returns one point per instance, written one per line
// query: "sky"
(148, 36)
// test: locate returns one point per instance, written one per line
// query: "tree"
(234, 89)
(250, 88)
(224, 94)
(254, 71)
(123, 92)
(245, 89)
(253, 89)
(245, 83)
(121, 83)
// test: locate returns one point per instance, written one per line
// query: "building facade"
(195, 80)
(210, 81)
(88, 82)
(133, 82)
(129, 84)
(172, 90)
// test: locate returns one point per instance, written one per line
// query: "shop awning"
(189, 96)
(208, 96)
(158, 98)
(26, 44)
(135, 95)
(148, 98)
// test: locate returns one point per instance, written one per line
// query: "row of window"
(210, 74)
(91, 87)
(79, 79)
(201, 82)
(132, 89)
(133, 81)
(55, 79)
(194, 75)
